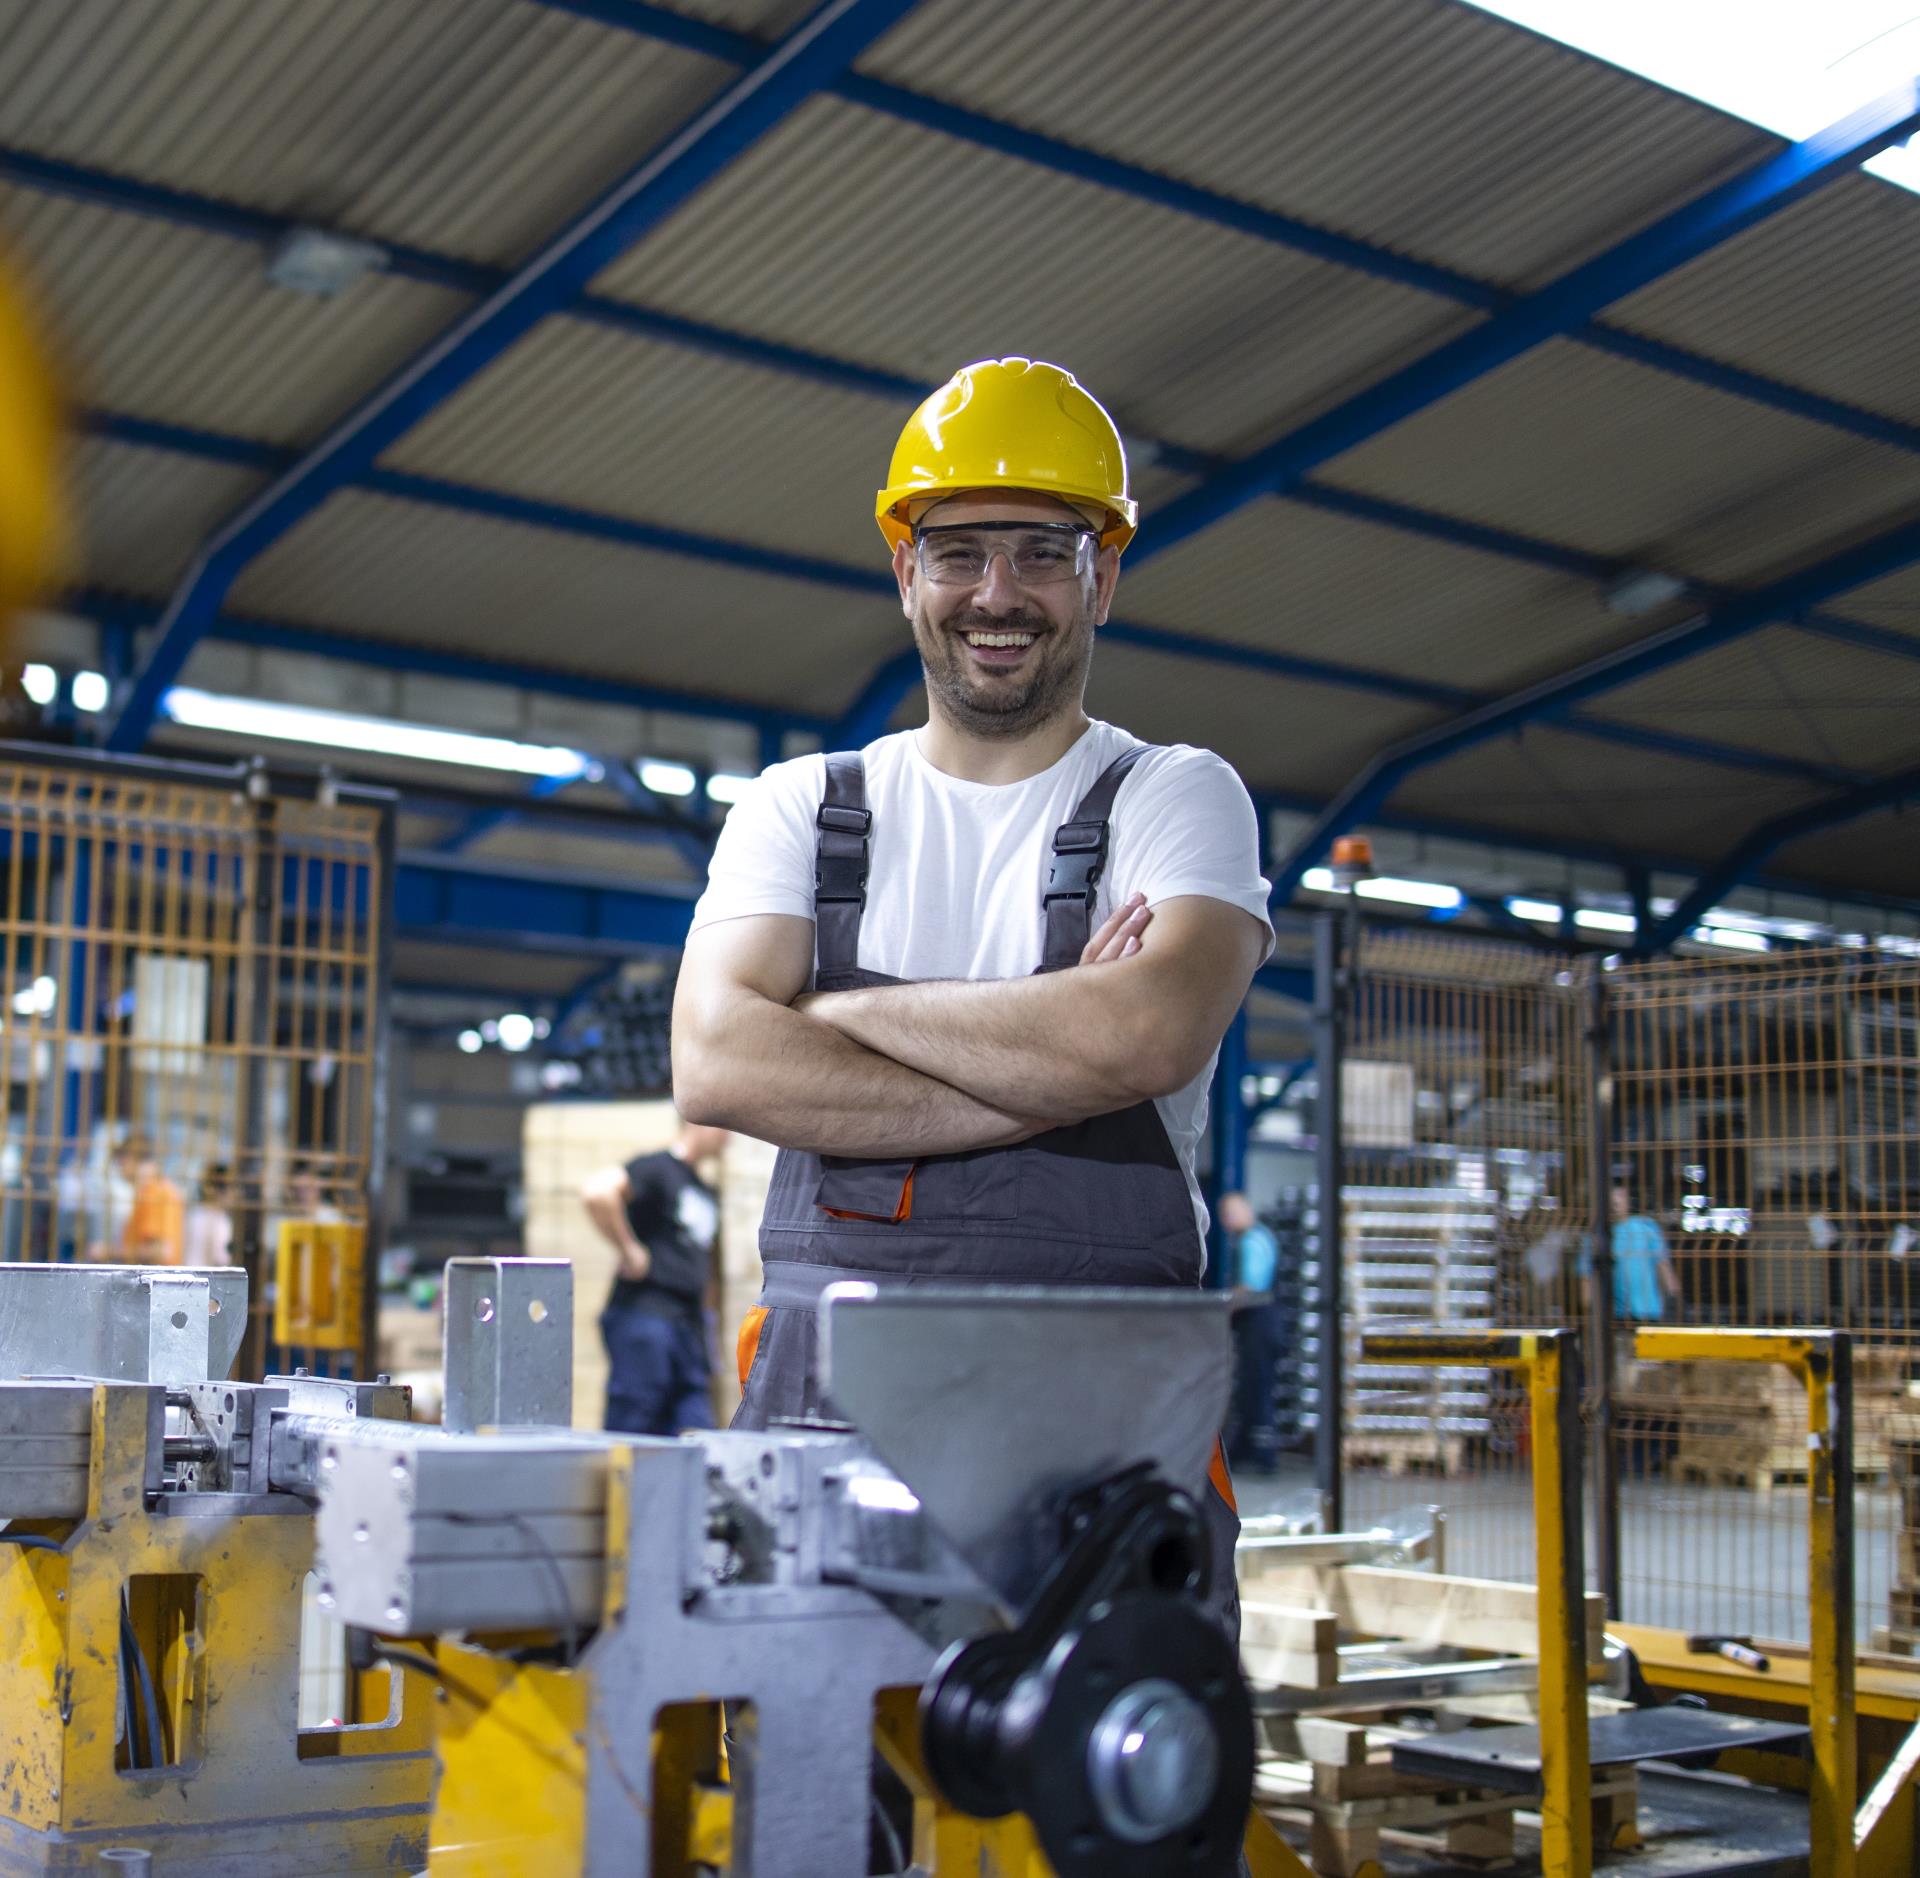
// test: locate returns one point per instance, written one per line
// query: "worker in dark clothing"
(1253, 1445)
(662, 1219)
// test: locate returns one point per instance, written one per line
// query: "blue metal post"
(872, 711)
(1230, 1131)
(830, 40)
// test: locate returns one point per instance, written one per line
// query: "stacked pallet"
(1415, 1256)
(1745, 1424)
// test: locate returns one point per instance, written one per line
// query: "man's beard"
(1053, 681)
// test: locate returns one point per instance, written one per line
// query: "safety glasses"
(1038, 554)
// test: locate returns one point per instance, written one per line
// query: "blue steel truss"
(772, 88)
(1563, 306)
(894, 679)
(1761, 843)
(1732, 619)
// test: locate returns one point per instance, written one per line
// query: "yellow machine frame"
(320, 1275)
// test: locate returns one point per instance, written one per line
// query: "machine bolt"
(1152, 1761)
(127, 1861)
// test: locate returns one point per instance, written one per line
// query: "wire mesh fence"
(1745, 1132)
(193, 1019)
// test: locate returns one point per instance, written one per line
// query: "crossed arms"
(942, 1067)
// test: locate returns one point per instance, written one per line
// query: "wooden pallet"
(1401, 1454)
(1337, 1778)
(1734, 1462)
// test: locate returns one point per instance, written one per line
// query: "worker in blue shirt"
(1253, 1444)
(1643, 1276)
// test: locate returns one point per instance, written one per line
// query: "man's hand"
(605, 1197)
(1119, 934)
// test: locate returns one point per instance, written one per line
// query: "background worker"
(972, 979)
(1643, 1276)
(662, 1218)
(155, 1229)
(1253, 1442)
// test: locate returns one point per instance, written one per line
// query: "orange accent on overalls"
(747, 1345)
(1222, 1480)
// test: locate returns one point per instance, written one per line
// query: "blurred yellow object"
(35, 527)
(1010, 424)
(319, 1280)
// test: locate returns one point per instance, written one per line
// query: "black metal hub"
(1113, 1715)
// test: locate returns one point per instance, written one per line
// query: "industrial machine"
(157, 1540)
(1001, 1536)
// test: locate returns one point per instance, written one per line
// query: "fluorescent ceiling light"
(41, 683)
(340, 730)
(667, 779)
(724, 786)
(319, 262)
(516, 1031)
(1543, 910)
(89, 691)
(1597, 919)
(1409, 892)
(1733, 940)
(469, 1041)
(1320, 880)
(1786, 65)
(38, 997)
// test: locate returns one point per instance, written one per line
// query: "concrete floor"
(1693, 1557)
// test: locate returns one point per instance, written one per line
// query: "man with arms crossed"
(972, 979)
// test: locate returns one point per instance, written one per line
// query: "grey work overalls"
(1099, 1202)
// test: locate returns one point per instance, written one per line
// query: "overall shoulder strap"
(840, 852)
(1079, 859)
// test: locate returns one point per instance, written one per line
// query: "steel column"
(1230, 1130)
(1329, 1044)
(1606, 1469)
(830, 40)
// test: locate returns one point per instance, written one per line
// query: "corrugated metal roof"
(420, 962)
(396, 571)
(854, 233)
(1299, 580)
(473, 126)
(1426, 126)
(1786, 691)
(144, 512)
(1630, 800)
(632, 860)
(1894, 602)
(167, 323)
(1874, 852)
(1821, 295)
(1620, 460)
(1279, 734)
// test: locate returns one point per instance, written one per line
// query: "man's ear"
(906, 570)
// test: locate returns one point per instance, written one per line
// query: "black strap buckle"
(840, 855)
(1079, 859)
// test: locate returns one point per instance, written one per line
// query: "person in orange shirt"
(155, 1232)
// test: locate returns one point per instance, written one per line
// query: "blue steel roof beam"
(1719, 625)
(1762, 842)
(893, 678)
(112, 609)
(1853, 632)
(1559, 308)
(475, 827)
(253, 226)
(815, 52)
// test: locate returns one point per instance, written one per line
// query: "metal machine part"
(121, 1323)
(1086, 1382)
(151, 1580)
(797, 1574)
(1113, 1714)
(511, 1366)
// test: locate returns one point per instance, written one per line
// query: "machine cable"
(525, 1527)
(134, 1673)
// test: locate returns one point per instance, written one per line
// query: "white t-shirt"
(957, 868)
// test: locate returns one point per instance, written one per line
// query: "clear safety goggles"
(1038, 554)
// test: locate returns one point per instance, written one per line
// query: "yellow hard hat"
(34, 525)
(1010, 424)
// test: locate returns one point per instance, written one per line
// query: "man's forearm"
(777, 1074)
(610, 1217)
(1053, 1046)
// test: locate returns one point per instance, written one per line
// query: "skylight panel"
(1790, 66)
